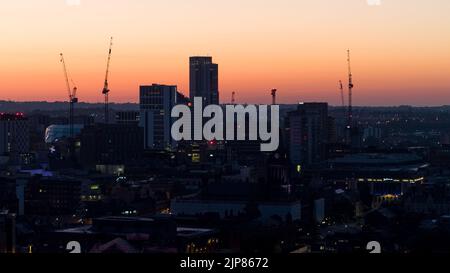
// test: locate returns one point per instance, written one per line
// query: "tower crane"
(72, 96)
(350, 92)
(341, 87)
(106, 90)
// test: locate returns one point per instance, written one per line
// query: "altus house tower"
(204, 80)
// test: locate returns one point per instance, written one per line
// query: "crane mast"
(350, 92)
(72, 96)
(341, 87)
(106, 90)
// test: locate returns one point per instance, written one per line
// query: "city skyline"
(224, 135)
(399, 51)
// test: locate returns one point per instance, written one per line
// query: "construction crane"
(344, 110)
(233, 98)
(341, 87)
(72, 96)
(106, 90)
(274, 96)
(350, 92)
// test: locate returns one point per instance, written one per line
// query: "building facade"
(14, 135)
(111, 144)
(156, 102)
(204, 79)
(127, 117)
(308, 133)
(7, 233)
(51, 196)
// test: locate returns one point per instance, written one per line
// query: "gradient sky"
(401, 49)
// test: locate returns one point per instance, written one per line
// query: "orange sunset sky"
(400, 49)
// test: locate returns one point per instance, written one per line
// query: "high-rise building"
(308, 133)
(14, 135)
(332, 130)
(156, 103)
(204, 79)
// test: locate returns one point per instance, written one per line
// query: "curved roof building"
(55, 132)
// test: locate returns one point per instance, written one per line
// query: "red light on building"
(212, 142)
(12, 116)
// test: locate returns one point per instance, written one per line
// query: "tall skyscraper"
(156, 103)
(204, 79)
(308, 133)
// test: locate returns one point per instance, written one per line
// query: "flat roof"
(124, 219)
(377, 159)
(188, 232)
(181, 231)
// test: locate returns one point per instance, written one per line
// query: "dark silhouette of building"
(309, 133)
(14, 135)
(204, 79)
(47, 196)
(111, 144)
(384, 176)
(332, 130)
(8, 198)
(127, 117)
(7, 232)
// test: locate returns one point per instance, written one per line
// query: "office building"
(111, 144)
(127, 117)
(14, 135)
(204, 80)
(309, 131)
(385, 175)
(156, 103)
(51, 196)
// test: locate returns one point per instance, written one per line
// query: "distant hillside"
(27, 107)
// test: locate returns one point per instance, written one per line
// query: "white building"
(156, 103)
(57, 132)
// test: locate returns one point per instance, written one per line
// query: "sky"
(400, 48)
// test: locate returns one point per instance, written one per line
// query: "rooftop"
(378, 159)
(12, 116)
